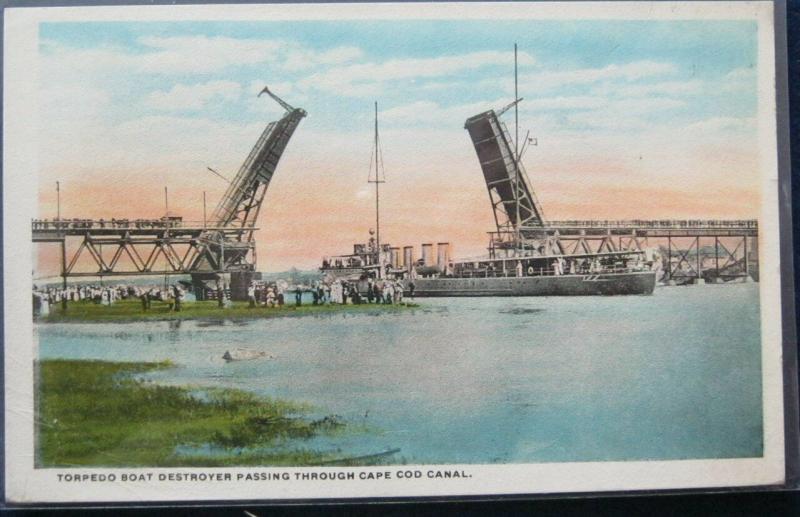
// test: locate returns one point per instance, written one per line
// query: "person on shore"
(251, 296)
(314, 294)
(388, 293)
(335, 290)
(270, 302)
(377, 290)
(280, 288)
(326, 292)
(220, 296)
(298, 296)
(411, 287)
(177, 294)
(370, 292)
(44, 305)
(144, 298)
(355, 295)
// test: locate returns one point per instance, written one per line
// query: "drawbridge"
(719, 250)
(169, 245)
(239, 207)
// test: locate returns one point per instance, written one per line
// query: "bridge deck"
(658, 228)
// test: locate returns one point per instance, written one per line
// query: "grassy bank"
(95, 413)
(131, 310)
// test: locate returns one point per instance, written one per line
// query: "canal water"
(488, 380)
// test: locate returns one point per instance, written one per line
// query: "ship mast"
(377, 181)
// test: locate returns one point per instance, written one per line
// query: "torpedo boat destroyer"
(525, 257)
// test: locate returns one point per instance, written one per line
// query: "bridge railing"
(118, 224)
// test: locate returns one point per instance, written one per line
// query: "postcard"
(336, 251)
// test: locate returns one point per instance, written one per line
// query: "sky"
(633, 119)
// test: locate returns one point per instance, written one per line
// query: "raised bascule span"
(240, 205)
(506, 180)
(167, 246)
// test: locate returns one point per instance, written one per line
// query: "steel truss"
(685, 245)
(130, 251)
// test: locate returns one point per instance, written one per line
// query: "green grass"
(131, 310)
(97, 413)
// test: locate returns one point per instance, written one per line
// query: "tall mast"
(377, 182)
(516, 145)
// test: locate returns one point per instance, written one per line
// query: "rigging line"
(380, 154)
(371, 157)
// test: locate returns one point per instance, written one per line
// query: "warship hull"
(605, 284)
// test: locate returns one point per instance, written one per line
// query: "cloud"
(194, 97)
(586, 112)
(303, 59)
(201, 54)
(66, 102)
(193, 55)
(564, 103)
(739, 79)
(431, 113)
(673, 88)
(361, 79)
(724, 125)
(625, 114)
(546, 80)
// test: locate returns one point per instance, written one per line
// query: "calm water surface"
(485, 380)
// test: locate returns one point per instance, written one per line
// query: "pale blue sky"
(699, 54)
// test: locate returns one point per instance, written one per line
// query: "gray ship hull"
(606, 284)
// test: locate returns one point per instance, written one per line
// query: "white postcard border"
(24, 484)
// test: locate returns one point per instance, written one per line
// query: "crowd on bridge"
(88, 224)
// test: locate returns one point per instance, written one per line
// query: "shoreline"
(104, 414)
(130, 311)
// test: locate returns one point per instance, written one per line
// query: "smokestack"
(408, 257)
(442, 255)
(427, 254)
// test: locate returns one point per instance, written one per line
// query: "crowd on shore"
(47, 297)
(263, 294)
(329, 292)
